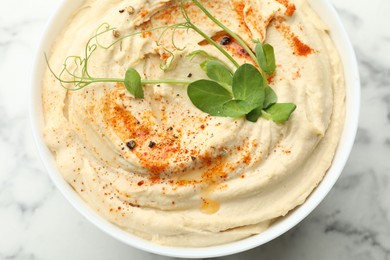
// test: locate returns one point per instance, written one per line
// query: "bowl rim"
(350, 65)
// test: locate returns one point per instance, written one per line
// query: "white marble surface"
(353, 222)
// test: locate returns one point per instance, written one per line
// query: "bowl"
(343, 45)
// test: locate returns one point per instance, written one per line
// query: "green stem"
(107, 80)
(231, 33)
(206, 37)
(216, 45)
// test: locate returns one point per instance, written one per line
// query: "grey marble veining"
(353, 222)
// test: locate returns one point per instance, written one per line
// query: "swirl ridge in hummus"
(162, 169)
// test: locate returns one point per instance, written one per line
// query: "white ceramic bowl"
(340, 38)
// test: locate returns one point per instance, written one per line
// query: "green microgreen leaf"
(266, 57)
(269, 100)
(217, 71)
(208, 96)
(270, 97)
(236, 108)
(248, 86)
(280, 112)
(133, 83)
(254, 115)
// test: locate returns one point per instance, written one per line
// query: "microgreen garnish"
(265, 57)
(218, 72)
(208, 96)
(248, 91)
(133, 83)
(227, 93)
(279, 112)
(193, 54)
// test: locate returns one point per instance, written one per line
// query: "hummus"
(162, 169)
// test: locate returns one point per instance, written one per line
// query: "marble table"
(353, 222)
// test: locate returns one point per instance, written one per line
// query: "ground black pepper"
(151, 144)
(225, 40)
(131, 144)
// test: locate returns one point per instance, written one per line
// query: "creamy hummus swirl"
(160, 168)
